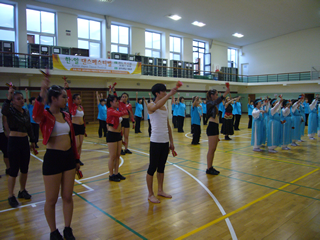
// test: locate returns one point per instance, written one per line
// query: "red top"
(73, 107)
(123, 106)
(47, 122)
(113, 116)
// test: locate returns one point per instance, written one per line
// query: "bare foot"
(153, 199)
(163, 194)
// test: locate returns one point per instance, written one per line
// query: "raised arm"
(153, 107)
(178, 99)
(6, 105)
(136, 97)
(313, 104)
(145, 101)
(98, 97)
(37, 113)
(194, 102)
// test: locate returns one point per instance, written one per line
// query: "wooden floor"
(256, 195)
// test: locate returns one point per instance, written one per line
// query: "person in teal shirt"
(195, 121)
(181, 112)
(174, 112)
(35, 126)
(102, 115)
(138, 114)
(204, 112)
(250, 109)
(306, 110)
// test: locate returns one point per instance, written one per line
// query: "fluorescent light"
(238, 35)
(198, 24)
(174, 17)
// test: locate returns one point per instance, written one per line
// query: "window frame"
(88, 39)
(234, 63)
(120, 44)
(173, 52)
(14, 29)
(154, 49)
(201, 69)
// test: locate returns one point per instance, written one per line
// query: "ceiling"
(257, 20)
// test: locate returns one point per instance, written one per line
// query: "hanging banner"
(94, 65)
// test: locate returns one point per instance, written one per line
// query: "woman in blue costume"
(286, 120)
(319, 120)
(274, 126)
(296, 119)
(257, 126)
(265, 107)
(313, 119)
(303, 115)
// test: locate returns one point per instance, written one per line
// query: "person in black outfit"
(227, 125)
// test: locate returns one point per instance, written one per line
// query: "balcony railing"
(21, 60)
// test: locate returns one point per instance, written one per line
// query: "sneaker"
(212, 171)
(257, 150)
(300, 140)
(114, 178)
(55, 235)
(36, 145)
(123, 152)
(286, 148)
(120, 176)
(127, 151)
(81, 163)
(24, 194)
(272, 151)
(294, 144)
(67, 233)
(7, 171)
(227, 138)
(13, 202)
(312, 138)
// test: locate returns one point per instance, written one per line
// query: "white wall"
(294, 52)
(67, 22)
(219, 56)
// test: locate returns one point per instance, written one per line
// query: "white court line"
(232, 232)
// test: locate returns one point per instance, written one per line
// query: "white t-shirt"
(159, 126)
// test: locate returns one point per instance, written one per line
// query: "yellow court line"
(301, 164)
(243, 207)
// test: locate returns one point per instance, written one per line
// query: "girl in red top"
(61, 159)
(77, 112)
(114, 138)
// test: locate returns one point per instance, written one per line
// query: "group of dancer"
(63, 133)
(279, 122)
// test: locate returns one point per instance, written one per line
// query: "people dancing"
(250, 109)
(35, 126)
(195, 120)
(102, 115)
(213, 102)
(61, 159)
(18, 144)
(257, 134)
(114, 138)
(296, 122)
(78, 121)
(286, 121)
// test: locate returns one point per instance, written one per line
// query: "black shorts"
(213, 129)
(125, 123)
(113, 137)
(4, 145)
(79, 129)
(19, 155)
(58, 161)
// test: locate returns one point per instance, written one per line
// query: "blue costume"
(303, 115)
(296, 119)
(195, 122)
(313, 119)
(286, 133)
(274, 127)
(257, 128)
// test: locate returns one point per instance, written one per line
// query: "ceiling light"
(238, 35)
(107, 1)
(198, 24)
(174, 17)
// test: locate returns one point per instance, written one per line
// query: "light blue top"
(236, 108)
(221, 107)
(195, 116)
(250, 109)
(175, 109)
(204, 107)
(306, 108)
(139, 109)
(30, 109)
(181, 109)
(102, 114)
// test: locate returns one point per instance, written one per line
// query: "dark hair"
(211, 92)
(181, 99)
(125, 94)
(54, 91)
(110, 99)
(255, 103)
(16, 93)
(284, 103)
(74, 96)
(31, 99)
(157, 88)
(294, 101)
(194, 98)
(102, 100)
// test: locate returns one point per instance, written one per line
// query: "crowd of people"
(60, 117)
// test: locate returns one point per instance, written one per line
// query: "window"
(7, 23)
(89, 36)
(119, 39)
(232, 57)
(198, 56)
(41, 26)
(153, 44)
(175, 48)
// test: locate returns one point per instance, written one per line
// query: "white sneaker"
(286, 148)
(272, 151)
(312, 138)
(257, 150)
(294, 144)
(300, 140)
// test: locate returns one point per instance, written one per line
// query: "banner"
(94, 65)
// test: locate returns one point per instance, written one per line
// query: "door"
(244, 72)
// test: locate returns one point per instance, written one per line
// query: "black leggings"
(19, 155)
(137, 127)
(236, 121)
(102, 125)
(149, 128)
(180, 123)
(158, 157)
(196, 134)
(35, 129)
(250, 121)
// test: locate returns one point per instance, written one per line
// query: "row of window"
(41, 29)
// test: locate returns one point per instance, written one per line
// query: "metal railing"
(22, 60)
